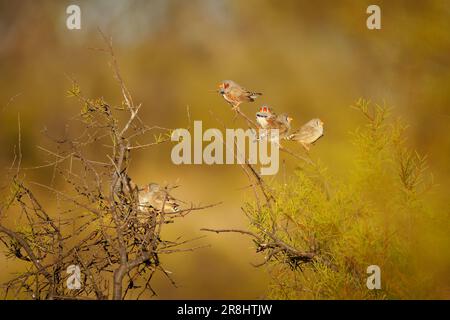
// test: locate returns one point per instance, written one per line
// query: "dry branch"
(98, 225)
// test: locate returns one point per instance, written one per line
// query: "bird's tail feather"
(254, 95)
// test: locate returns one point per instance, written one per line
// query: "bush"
(378, 215)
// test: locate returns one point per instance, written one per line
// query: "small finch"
(267, 119)
(263, 115)
(153, 196)
(283, 124)
(308, 133)
(235, 94)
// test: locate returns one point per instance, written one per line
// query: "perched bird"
(153, 196)
(283, 124)
(269, 120)
(308, 133)
(263, 116)
(234, 94)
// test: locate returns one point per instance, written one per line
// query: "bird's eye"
(226, 85)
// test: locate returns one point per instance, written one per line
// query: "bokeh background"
(309, 58)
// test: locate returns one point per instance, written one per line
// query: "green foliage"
(377, 215)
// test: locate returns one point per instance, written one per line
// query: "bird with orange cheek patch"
(267, 119)
(235, 94)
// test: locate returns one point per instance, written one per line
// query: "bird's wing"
(235, 95)
(243, 94)
(303, 133)
(156, 200)
(253, 95)
(237, 92)
(284, 130)
(164, 198)
(273, 122)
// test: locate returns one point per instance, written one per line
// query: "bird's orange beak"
(290, 119)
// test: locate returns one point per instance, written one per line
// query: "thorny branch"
(99, 225)
(275, 247)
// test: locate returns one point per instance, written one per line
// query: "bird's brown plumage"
(235, 94)
(308, 133)
(153, 196)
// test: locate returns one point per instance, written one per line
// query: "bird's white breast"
(262, 120)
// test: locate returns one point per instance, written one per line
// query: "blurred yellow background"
(309, 58)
